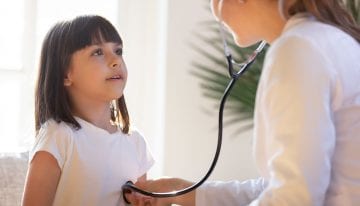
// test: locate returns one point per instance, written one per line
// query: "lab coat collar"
(296, 19)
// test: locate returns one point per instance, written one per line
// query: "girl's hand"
(162, 185)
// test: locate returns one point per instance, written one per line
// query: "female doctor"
(307, 113)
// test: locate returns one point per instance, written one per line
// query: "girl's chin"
(118, 96)
(115, 96)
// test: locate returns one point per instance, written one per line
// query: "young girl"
(85, 149)
(307, 113)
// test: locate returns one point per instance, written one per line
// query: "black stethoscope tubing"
(129, 186)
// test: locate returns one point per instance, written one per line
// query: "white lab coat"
(307, 123)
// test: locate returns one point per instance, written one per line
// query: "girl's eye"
(119, 51)
(97, 52)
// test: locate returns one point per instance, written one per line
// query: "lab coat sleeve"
(229, 193)
(300, 135)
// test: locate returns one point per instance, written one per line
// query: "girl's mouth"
(115, 77)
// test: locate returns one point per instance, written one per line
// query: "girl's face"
(97, 72)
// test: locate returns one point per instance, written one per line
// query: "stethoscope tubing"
(234, 75)
(129, 186)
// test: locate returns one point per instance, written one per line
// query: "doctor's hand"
(162, 185)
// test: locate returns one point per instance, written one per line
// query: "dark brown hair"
(332, 12)
(60, 43)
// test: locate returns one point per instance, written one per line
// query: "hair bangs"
(105, 34)
(89, 30)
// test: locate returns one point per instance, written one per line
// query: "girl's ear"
(67, 80)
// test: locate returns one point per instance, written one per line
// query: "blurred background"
(164, 97)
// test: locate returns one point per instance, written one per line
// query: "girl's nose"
(115, 62)
(114, 65)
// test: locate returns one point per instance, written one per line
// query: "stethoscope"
(234, 75)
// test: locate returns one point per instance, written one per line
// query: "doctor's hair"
(331, 12)
(52, 101)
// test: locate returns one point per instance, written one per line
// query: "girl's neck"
(96, 115)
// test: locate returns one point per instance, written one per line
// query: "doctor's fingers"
(137, 199)
(152, 202)
(161, 202)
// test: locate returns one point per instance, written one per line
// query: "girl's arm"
(41, 181)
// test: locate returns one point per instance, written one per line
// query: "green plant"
(214, 77)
